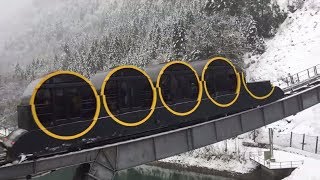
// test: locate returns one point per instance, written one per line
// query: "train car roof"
(25, 99)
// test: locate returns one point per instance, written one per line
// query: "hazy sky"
(14, 16)
(14, 19)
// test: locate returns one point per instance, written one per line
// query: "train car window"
(66, 98)
(128, 90)
(165, 87)
(146, 96)
(45, 105)
(232, 81)
(112, 95)
(179, 84)
(220, 80)
(59, 106)
(74, 99)
(124, 94)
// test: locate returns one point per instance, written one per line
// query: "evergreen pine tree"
(179, 40)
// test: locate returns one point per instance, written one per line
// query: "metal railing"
(256, 156)
(302, 77)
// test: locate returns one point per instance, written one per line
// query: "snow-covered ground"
(308, 171)
(229, 155)
(294, 48)
(306, 122)
(282, 159)
(214, 162)
(281, 156)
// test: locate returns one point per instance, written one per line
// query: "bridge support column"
(104, 166)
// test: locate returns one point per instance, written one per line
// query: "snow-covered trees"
(266, 13)
(87, 36)
(179, 40)
(143, 32)
(294, 5)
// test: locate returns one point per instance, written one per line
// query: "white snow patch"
(306, 122)
(308, 171)
(229, 155)
(281, 156)
(217, 163)
(298, 151)
(2, 132)
(22, 158)
(294, 48)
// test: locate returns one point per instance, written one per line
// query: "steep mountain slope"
(39, 28)
(294, 48)
(143, 31)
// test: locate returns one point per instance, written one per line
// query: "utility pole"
(271, 144)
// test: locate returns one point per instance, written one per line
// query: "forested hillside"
(87, 36)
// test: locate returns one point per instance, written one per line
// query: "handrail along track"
(300, 79)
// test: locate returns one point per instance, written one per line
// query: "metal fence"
(257, 156)
(298, 141)
(301, 77)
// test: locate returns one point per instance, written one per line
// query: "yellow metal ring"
(205, 83)
(41, 126)
(105, 103)
(160, 93)
(254, 96)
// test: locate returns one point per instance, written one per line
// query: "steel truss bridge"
(107, 160)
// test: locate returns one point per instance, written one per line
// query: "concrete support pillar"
(271, 144)
(103, 168)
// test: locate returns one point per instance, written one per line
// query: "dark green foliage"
(295, 5)
(266, 14)
(142, 33)
(232, 7)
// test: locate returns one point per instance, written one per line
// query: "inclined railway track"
(156, 146)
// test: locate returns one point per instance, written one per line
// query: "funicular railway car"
(64, 111)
